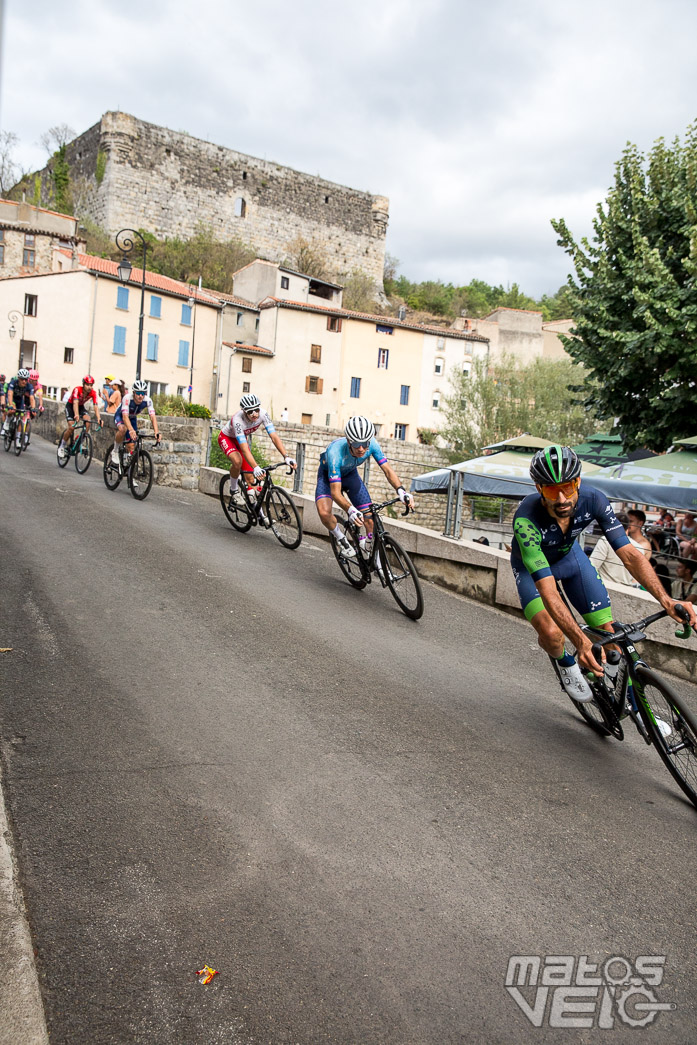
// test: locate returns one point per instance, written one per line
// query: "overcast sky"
(479, 119)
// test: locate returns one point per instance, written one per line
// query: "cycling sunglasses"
(552, 491)
(358, 446)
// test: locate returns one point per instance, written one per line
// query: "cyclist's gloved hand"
(158, 439)
(404, 497)
(355, 516)
(291, 462)
(258, 472)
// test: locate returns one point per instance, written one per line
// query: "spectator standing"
(116, 397)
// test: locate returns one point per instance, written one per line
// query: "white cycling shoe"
(574, 683)
(345, 548)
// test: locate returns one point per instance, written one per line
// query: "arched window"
(439, 365)
(435, 402)
(240, 208)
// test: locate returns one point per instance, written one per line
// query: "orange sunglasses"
(552, 491)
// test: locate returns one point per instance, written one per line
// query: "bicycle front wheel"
(237, 515)
(111, 471)
(83, 453)
(8, 438)
(140, 475)
(284, 518)
(401, 577)
(672, 728)
(353, 569)
(19, 438)
(27, 435)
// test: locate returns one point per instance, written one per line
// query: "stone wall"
(169, 183)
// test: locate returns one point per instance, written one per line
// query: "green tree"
(359, 291)
(494, 403)
(634, 297)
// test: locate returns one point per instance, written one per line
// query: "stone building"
(139, 175)
(33, 239)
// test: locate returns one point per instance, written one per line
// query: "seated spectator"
(663, 573)
(657, 533)
(686, 532)
(608, 564)
(684, 587)
(635, 531)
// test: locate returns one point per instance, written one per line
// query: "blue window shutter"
(120, 341)
(186, 315)
(155, 307)
(404, 397)
(122, 297)
(183, 353)
(355, 387)
(152, 347)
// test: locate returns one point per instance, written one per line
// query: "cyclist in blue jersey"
(545, 549)
(19, 396)
(337, 475)
(126, 417)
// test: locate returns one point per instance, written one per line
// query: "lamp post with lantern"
(126, 244)
(14, 317)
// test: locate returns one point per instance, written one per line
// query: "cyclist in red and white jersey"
(76, 409)
(236, 437)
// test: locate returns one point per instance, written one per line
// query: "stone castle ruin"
(139, 175)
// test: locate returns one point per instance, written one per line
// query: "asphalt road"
(215, 751)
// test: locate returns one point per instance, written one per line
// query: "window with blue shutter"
(183, 359)
(404, 396)
(119, 341)
(122, 298)
(355, 387)
(151, 354)
(186, 315)
(155, 307)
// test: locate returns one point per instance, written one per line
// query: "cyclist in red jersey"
(76, 409)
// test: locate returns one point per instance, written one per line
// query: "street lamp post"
(125, 243)
(14, 317)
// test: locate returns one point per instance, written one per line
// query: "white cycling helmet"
(23, 374)
(359, 430)
(140, 387)
(250, 402)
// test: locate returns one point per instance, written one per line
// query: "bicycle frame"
(256, 505)
(369, 563)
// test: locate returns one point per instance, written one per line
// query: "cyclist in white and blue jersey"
(545, 550)
(337, 475)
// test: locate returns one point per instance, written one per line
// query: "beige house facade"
(519, 333)
(83, 320)
(33, 239)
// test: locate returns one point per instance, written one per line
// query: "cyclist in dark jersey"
(545, 549)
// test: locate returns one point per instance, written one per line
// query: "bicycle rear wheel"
(354, 569)
(672, 728)
(27, 435)
(19, 438)
(7, 438)
(140, 475)
(284, 518)
(238, 515)
(83, 453)
(111, 472)
(401, 577)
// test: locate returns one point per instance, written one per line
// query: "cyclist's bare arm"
(394, 480)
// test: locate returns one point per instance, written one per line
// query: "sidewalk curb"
(22, 1020)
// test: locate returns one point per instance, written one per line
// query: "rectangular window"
(119, 341)
(355, 387)
(246, 366)
(246, 386)
(256, 323)
(435, 401)
(438, 367)
(400, 432)
(315, 353)
(306, 419)
(122, 298)
(27, 353)
(28, 258)
(155, 307)
(327, 420)
(52, 391)
(182, 390)
(157, 388)
(383, 358)
(31, 302)
(285, 283)
(404, 396)
(240, 319)
(313, 384)
(2, 254)
(68, 355)
(29, 239)
(380, 329)
(186, 315)
(334, 323)
(183, 358)
(153, 342)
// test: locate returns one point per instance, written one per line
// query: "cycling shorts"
(229, 445)
(580, 581)
(351, 484)
(118, 420)
(82, 411)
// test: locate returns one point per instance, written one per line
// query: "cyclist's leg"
(550, 637)
(231, 449)
(325, 503)
(585, 589)
(67, 437)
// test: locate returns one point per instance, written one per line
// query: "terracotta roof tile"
(255, 349)
(153, 280)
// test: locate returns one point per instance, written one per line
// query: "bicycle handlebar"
(386, 504)
(627, 630)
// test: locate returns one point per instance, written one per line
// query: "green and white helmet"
(555, 464)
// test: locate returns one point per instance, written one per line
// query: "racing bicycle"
(18, 430)
(638, 693)
(385, 558)
(81, 447)
(264, 505)
(135, 463)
